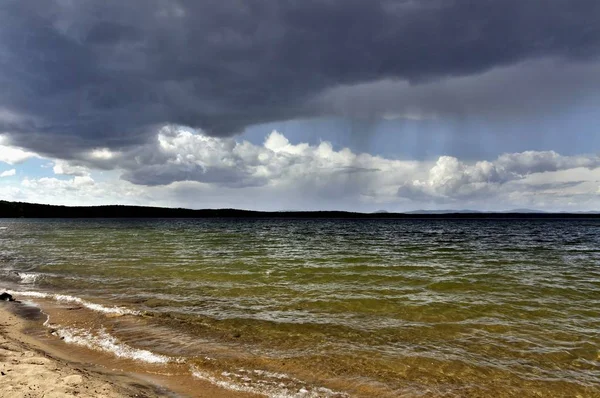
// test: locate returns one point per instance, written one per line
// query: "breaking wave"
(29, 278)
(103, 341)
(77, 300)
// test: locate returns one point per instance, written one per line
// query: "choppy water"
(327, 307)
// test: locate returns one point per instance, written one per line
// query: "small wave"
(273, 388)
(105, 342)
(30, 294)
(72, 299)
(273, 375)
(29, 278)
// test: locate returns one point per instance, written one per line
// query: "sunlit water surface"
(327, 307)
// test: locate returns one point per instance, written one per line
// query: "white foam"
(30, 294)
(272, 375)
(96, 307)
(105, 342)
(28, 277)
(221, 383)
(271, 388)
(72, 299)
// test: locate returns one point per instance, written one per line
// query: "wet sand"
(29, 368)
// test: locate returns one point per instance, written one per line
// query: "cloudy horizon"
(356, 105)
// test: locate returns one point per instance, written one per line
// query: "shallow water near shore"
(325, 307)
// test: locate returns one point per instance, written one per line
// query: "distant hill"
(444, 212)
(467, 211)
(33, 210)
(523, 211)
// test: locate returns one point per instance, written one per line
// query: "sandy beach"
(31, 369)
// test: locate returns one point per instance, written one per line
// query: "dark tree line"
(32, 210)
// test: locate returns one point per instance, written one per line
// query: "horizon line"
(12, 209)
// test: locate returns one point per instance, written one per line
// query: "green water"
(365, 308)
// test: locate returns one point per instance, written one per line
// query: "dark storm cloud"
(84, 74)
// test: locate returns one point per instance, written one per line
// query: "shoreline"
(30, 367)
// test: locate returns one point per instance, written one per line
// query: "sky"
(359, 105)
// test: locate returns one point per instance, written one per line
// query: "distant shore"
(34, 210)
(29, 368)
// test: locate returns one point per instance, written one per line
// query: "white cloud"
(530, 162)
(8, 173)
(77, 191)
(186, 168)
(13, 155)
(180, 155)
(56, 184)
(101, 153)
(62, 167)
(451, 179)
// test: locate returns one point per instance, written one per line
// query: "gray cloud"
(524, 90)
(82, 74)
